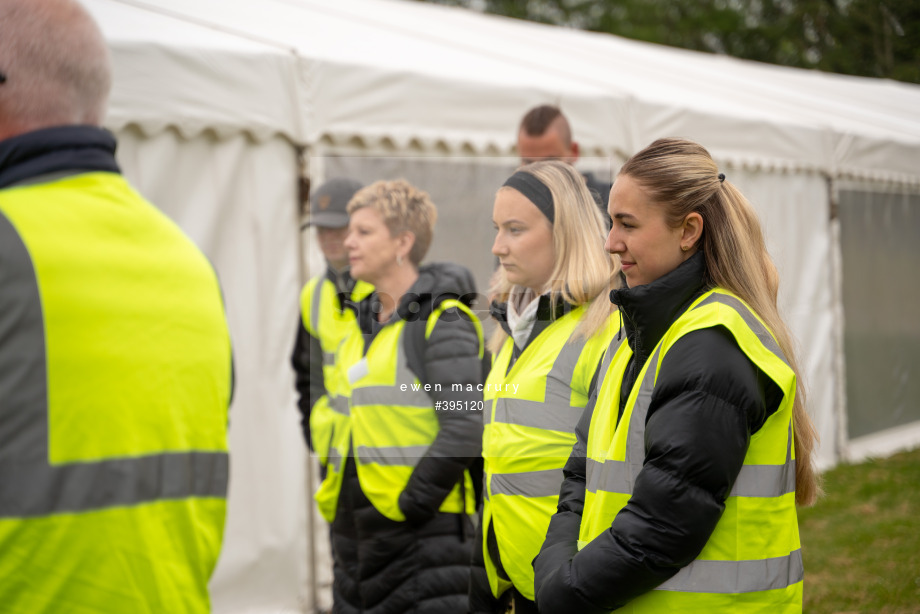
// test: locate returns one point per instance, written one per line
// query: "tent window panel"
(880, 241)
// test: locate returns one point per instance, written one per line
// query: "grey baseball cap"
(328, 203)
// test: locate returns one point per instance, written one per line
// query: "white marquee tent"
(221, 106)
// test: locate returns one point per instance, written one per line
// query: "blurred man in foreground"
(115, 361)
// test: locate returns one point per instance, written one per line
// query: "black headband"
(535, 191)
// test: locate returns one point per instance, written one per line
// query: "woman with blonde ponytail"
(555, 323)
(681, 491)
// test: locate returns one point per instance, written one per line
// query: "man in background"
(325, 320)
(545, 134)
(115, 360)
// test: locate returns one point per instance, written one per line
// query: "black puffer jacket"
(421, 565)
(708, 400)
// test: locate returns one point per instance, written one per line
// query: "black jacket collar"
(342, 280)
(437, 282)
(649, 310)
(53, 150)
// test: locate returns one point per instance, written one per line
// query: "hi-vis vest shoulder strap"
(753, 558)
(325, 320)
(323, 317)
(530, 415)
(330, 426)
(393, 421)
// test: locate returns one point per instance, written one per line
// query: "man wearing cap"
(325, 319)
(545, 134)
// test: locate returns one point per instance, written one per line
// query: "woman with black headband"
(680, 494)
(555, 324)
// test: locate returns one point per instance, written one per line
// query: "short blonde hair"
(584, 274)
(403, 207)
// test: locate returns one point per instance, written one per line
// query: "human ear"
(691, 230)
(406, 241)
(574, 151)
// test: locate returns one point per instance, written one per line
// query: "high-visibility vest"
(115, 378)
(529, 429)
(393, 420)
(752, 561)
(326, 321)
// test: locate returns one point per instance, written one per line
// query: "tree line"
(870, 38)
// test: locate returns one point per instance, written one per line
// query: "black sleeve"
(451, 356)
(307, 360)
(708, 399)
(561, 541)
(480, 594)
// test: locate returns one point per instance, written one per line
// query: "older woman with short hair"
(402, 533)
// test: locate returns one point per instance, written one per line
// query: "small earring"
(684, 247)
(398, 260)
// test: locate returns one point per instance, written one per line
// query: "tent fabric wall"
(237, 199)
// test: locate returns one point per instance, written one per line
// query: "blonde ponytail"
(681, 177)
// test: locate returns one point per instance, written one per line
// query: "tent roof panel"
(172, 72)
(408, 72)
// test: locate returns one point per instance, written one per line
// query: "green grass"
(861, 541)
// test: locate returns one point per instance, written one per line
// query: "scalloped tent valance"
(441, 80)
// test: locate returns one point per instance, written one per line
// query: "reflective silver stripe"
(738, 576)
(328, 358)
(315, 304)
(767, 480)
(392, 455)
(29, 485)
(609, 476)
(620, 476)
(23, 392)
(544, 483)
(538, 414)
(339, 404)
(392, 395)
(753, 481)
(335, 459)
(41, 490)
(487, 411)
(635, 440)
(612, 349)
(389, 395)
(606, 361)
(553, 413)
(750, 319)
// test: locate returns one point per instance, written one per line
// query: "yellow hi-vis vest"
(753, 561)
(393, 421)
(324, 320)
(529, 417)
(115, 378)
